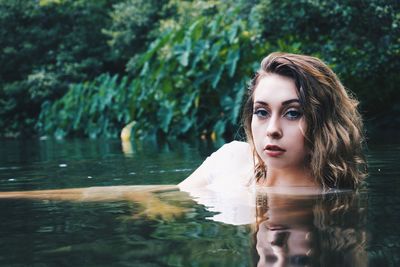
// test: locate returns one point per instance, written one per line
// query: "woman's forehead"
(274, 88)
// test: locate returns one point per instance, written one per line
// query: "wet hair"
(334, 132)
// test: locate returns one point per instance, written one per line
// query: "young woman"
(303, 130)
(304, 135)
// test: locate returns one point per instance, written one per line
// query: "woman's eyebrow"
(261, 103)
(290, 101)
(284, 103)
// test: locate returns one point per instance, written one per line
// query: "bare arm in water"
(145, 195)
(98, 193)
(219, 166)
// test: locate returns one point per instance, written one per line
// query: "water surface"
(333, 230)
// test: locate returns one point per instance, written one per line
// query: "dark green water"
(335, 230)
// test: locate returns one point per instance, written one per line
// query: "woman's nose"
(274, 128)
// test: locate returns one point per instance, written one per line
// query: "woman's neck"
(298, 177)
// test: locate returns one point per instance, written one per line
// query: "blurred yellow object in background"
(126, 131)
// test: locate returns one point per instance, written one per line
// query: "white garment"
(230, 184)
(231, 166)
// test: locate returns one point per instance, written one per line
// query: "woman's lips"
(274, 151)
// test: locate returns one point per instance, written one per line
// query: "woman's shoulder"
(231, 165)
(235, 148)
(237, 144)
(229, 153)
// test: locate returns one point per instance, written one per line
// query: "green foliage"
(45, 45)
(21, 100)
(89, 109)
(182, 66)
(132, 22)
(193, 77)
(190, 81)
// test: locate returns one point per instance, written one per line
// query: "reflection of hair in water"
(340, 220)
(319, 230)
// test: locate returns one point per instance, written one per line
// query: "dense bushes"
(89, 109)
(191, 80)
(45, 45)
(182, 65)
(132, 24)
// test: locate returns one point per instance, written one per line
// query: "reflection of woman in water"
(318, 230)
(304, 135)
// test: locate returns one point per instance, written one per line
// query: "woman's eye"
(293, 114)
(261, 113)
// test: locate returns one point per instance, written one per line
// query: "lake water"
(343, 229)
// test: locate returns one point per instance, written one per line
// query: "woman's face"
(283, 245)
(278, 125)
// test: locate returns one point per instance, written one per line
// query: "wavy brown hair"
(334, 133)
